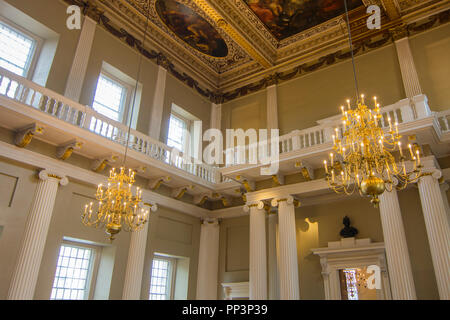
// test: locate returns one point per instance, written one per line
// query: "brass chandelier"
(364, 156)
(117, 208)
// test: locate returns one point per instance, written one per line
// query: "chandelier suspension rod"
(137, 82)
(351, 50)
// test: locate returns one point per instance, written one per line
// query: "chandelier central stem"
(350, 42)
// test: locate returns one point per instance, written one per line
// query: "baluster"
(18, 92)
(8, 87)
(31, 103)
(446, 124)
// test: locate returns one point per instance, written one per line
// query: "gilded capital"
(399, 32)
(46, 175)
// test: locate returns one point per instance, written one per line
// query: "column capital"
(251, 204)
(209, 222)
(48, 175)
(434, 173)
(399, 33)
(289, 199)
(153, 206)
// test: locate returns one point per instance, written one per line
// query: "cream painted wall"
(233, 252)
(170, 232)
(55, 19)
(175, 234)
(17, 183)
(108, 48)
(319, 224)
(118, 54)
(246, 112)
(186, 98)
(303, 101)
(431, 51)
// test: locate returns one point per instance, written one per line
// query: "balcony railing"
(402, 112)
(34, 96)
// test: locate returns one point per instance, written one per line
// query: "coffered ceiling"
(218, 46)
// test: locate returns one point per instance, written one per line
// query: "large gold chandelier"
(364, 155)
(117, 207)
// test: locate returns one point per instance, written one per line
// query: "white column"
(216, 116)
(26, 271)
(272, 107)
(158, 104)
(208, 261)
(80, 62)
(399, 264)
(438, 230)
(135, 263)
(288, 267)
(272, 239)
(408, 69)
(258, 253)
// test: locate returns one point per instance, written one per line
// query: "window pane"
(160, 280)
(176, 134)
(16, 50)
(109, 98)
(71, 276)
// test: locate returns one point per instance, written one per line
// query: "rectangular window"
(16, 50)
(161, 278)
(110, 98)
(73, 273)
(177, 135)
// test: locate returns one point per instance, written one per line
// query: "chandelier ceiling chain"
(367, 155)
(117, 207)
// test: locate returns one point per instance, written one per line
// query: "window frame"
(38, 44)
(125, 104)
(186, 143)
(93, 266)
(171, 275)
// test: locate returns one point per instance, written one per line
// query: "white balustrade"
(32, 95)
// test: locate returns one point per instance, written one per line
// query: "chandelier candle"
(364, 158)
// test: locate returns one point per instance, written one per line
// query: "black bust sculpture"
(348, 231)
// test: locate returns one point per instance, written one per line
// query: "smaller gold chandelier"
(117, 208)
(364, 158)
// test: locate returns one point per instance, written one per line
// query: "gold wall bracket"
(24, 135)
(64, 151)
(156, 183)
(99, 164)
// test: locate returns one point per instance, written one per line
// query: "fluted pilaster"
(289, 281)
(399, 264)
(258, 255)
(158, 104)
(272, 237)
(29, 259)
(438, 230)
(408, 69)
(135, 264)
(208, 261)
(80, 62)
(272, 107)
